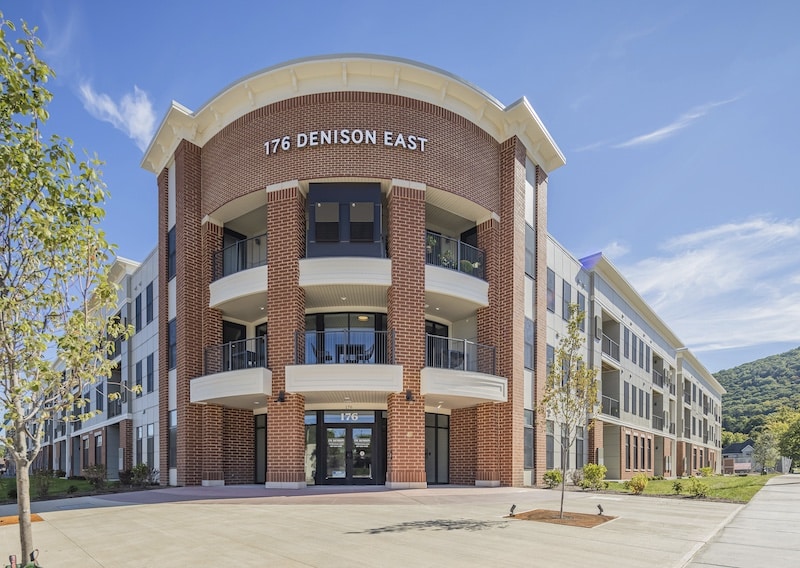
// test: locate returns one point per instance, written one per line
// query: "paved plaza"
(440, 526)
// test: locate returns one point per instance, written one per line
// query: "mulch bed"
(569, 519)
(14, 519)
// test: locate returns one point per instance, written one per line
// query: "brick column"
(406, 318)
(163, 325)
(540, 328)
(286, 236)
(463, 444)
(595, 440)
(126, 443)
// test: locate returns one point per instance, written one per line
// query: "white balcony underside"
(241, 294)
(461, 389)
(342, 383)
(247, 388)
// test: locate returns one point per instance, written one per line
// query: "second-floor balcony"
(672, 428)
(114, 408)
(451, 353)
(687, 432)
(235, 355)
(610, 347)
(346, 346)
(687, 397)
(454, 255)
(658, 422)
(241, 255)
(658, 379)
(609, 406)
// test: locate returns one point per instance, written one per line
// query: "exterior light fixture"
(281, 397)
(363, 318)
(409, 395)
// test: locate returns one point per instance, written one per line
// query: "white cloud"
(730, 286)
(682, 122)
(133, 115)
(615, 250)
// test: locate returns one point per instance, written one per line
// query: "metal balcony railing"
(609, 406)
(672, 428)
(449, 353)
(658, 379)
(687, 398)
(610, 347)
(114, 408)
(454, 254)
(239, 256)
(658, 422)
(672, 388)
(235, 355)
(344, 346)
(687, 432)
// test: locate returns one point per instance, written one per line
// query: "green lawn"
(729, 487)
(58, 488)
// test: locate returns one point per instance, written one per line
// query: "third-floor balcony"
(687, 397)
(454, 255)
(610, 347)
(658, 422)
(241, 255)
(658, 379)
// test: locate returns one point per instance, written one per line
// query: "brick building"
(353, 286)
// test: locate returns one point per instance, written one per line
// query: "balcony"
(239, 256)
(449, 353)
(672, 389)
(687, 432)
(658, 422)
(235, 375)
(610, 347)
(672, 428)
(687, 397)
(114, 408)
(658, 379)
(454, 255)
(609, 406)
(705, 409)
(350, 366)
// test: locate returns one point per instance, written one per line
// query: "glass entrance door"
(349, 454)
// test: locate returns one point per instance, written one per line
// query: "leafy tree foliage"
(765, 450)
(54, 292)
(789, 443)
(570, 392)
(729, 438)
(759, 389)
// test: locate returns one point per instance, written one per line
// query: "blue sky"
(678, 120)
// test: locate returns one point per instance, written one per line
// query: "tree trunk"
(23, 495)
(563, 477)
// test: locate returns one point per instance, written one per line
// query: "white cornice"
(349, 72)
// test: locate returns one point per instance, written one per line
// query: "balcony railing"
(449, 353)
(454, 254)
(114, 408)
(610, 347)
(344, 346)
(687, 397)
(687, 432)
(610, 406)
(705, 438)
(705, 409)
(672, 388)
(236, 355)
(239, 256)
(658, 379)
(658, 422)
(672, 428)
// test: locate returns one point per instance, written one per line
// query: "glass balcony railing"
(610, 406)
(450, 353)
(236, 355)
(344, 346)
(610, 347)
(239, 256)
(454, 255)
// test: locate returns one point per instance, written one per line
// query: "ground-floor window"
(98, 449)
(627, 451)
(528, 439)
(580, 458)
(172, 441)
(151, 445)
(139, 438)
(437, 448)
(550, 444)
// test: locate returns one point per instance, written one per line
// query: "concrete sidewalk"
(323, 526)
(765, 533)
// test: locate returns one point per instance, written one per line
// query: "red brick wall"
(595, 439)
(406, 317)
(463, 444)
(286, 310)
(163, 326)
(636, 458)
(540, 327)
(239, 446)
(126, 443)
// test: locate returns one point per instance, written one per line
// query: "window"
(172, 451)
(641, 455)
(579, 449)
(582, 310)
(138, 379)
(172, 338)
(551, 291)
(641, 402)
(626, 395)
(138, 457)
(633, 399)
(566, 298)
(694, 392)
(551, 358)
(171, 254)
(647, 405)
(151, 445)
(549, 444)
(627, 451)
(137, 314)
(565, 446)
(530, 251)
(627, 346)
(362, 222)
(641, 353)
(633, 352)
(528, 439)
(326, 222)
(98, 449)
(148, 293)
(99, 397)
(647, 359)
(85, 456)
(529, 350)
(635, 452)
(649, 453)
(150, 373)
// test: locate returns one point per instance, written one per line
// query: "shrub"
(706, 472)
(576, 476)
(553, 478)
(677, 487)
(637, 483)
(143, 475)
(41, 481)
(96, 475)
(72, 489)
(59, 473)
(698, 488)
(12, 492)
(126, 477)
(594, 476)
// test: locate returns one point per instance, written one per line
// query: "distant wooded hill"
(759, 388)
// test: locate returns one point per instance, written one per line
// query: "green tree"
(729, 438)
(765, 450)
(570, 392)
(789, 443)
(55, 296)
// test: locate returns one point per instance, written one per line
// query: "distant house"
(738, 458)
